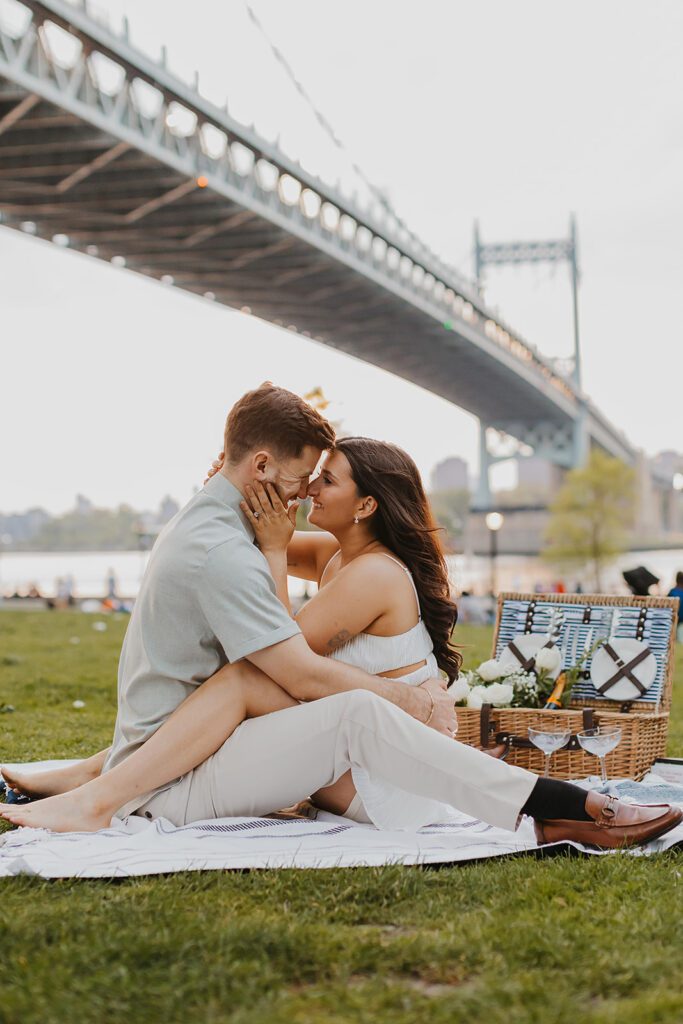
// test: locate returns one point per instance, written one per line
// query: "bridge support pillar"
(483, 495)
(580, 438)
(483, 499)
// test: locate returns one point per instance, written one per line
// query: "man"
(208, 599)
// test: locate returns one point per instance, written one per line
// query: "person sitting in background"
(677, 591)
(111, 584)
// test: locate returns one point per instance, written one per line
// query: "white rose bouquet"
(503, 687)
(511, 686)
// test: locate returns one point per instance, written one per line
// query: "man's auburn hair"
(277, 420)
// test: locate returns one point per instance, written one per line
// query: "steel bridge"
(216, 210)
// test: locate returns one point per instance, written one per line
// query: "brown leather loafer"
(617, 825)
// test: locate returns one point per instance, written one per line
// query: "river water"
(90, 570)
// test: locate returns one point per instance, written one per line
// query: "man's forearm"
(328, 676)
(307, 676)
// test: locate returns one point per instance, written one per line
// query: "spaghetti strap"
(327, 565)
(408, 574)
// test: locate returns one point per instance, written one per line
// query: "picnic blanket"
(135, 846)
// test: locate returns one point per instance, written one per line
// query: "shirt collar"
(219, 487)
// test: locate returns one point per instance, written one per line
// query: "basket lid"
(640, 628)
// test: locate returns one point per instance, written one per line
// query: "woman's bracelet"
(431, 710)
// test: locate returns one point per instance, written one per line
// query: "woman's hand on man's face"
(273, 524)
(216, 466)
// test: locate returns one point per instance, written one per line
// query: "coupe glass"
(549, 741)
(600, 742)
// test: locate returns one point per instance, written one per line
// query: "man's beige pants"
(281, 758)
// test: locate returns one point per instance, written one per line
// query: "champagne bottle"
(555, 699)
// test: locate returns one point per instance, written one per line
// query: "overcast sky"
(515, 114)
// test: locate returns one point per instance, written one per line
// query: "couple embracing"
(228, 705)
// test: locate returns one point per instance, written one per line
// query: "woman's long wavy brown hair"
(404, 523)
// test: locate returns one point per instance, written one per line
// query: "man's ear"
(259, 464)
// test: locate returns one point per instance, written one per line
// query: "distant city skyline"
(119, 387)
(83, 526)
(83, 505)
(451, 473)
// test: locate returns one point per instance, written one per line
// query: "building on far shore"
(22, 527)
(168, 508)
(450, 475)
(534, 473)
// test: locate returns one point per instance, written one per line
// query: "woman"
(384, 598)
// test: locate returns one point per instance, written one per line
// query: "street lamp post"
(494, 521)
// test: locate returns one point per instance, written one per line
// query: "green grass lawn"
(548, 942)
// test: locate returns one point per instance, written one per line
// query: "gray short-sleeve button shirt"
(207, 598)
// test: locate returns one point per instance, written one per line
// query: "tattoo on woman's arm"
(338, 639)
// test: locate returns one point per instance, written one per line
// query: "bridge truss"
(220, 212)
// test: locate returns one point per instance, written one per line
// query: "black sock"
(551, 798)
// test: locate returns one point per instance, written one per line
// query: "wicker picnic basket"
(644, 722)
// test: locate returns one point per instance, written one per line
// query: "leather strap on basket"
(624, 670)
(528, 664)
(521, 742)
(588, 719)
(485, 726)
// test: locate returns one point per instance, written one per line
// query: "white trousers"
(281, 758)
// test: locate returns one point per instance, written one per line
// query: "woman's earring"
(355, 519)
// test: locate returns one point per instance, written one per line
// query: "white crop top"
(377, 654)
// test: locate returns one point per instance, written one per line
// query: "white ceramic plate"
(603, 667)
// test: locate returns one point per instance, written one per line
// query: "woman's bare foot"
(55, 781)
(68, 812)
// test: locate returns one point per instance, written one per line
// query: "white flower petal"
(548, 658)
(459, 690)
(490, 670)
(474, 698)
(499, 694)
